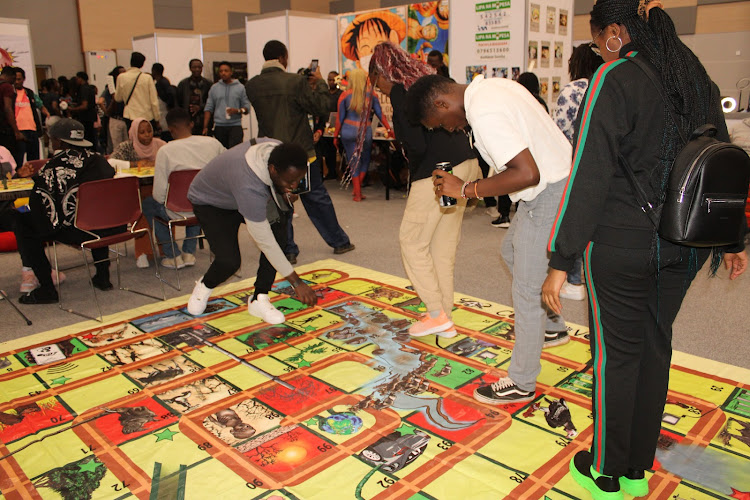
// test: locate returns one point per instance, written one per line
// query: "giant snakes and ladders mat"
(338, 402)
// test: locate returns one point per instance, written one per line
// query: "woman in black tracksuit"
(636, 280)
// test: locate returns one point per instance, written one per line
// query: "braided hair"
(690, 91)
(583, 62)
(397, 66)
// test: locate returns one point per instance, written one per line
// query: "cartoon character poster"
(361, 32)
(428, 29)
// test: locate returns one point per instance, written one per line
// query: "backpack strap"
(651, 74)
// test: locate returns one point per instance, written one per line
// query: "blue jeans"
(151, 209)
(524, 249)
(319, 208)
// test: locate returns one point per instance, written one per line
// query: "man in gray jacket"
(282, 102)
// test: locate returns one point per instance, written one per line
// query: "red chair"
(37, 165)
(178, 207)
(106, 204)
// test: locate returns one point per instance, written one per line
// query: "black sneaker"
(552, 339)
(41, 295)
(343, 249)
(601, 488)
(102, 282)
(502, 221)
(502, 392)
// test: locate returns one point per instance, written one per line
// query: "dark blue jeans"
(319, 208)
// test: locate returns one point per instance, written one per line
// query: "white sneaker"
(198, 300)
(262, 308)
(142, 261)
(188, 259)
(175, 263)
(573, 292)
(492, 212)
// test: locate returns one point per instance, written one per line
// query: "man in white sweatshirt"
(185, 152)
(251, 184)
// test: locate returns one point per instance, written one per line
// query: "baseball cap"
(70, 131)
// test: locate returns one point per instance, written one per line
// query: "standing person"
(636, 280)
(10, 136)
(282, 102)
(192, 94)
(137, 91)
(167, 94)
(532, 160)
(354, 113)
(185, 152)
(324, 147)
(53, 208)
(429, 233)
(140, 150)
(27, 120)
(581, 66)
(250, 184)
(436, 60)
(227, 102)
(117, 131)
(84, 108)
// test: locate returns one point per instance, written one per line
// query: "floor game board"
(336, 403)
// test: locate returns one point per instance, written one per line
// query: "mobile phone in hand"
(313, 66)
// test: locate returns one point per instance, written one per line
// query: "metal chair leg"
(8, 301)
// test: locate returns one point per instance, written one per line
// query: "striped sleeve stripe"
(594, 89)
(600, 364)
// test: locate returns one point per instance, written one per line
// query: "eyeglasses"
(592, 43)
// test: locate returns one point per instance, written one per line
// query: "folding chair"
(106, 204)
(177, 205)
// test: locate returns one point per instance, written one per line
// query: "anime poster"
(534, 17)
(551, 19)
(515, 72)
(474, 71)
(361, 32)
(544, 87)
(15, 51)
(558, 54)
(555, 88)
(533, 51)
(499, 72)
(544, 55)
(428, 29)
(562, 28)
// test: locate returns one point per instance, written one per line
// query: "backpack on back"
(708, 183)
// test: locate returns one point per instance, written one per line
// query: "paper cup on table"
(119, 165)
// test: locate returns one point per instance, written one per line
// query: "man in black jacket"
(282, 102)
(192, 94)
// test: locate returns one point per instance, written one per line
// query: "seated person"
(140, 150)
(53, 208)
(185, 152)
(249, 184)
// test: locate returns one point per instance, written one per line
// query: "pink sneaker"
(428, 326)
(28, 281)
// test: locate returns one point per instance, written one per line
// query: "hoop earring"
(606, 44)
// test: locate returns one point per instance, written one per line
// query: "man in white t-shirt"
(532, 157)
(185, 152)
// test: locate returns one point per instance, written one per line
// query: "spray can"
(446, 201)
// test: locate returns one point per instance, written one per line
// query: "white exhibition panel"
(15, 45)
(98, 65)
(175, 53)
(258, 31)
(312, 38)
(146, 45)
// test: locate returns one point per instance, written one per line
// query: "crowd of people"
(564, 173)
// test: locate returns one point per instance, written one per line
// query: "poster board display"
(549, 45)
(488, 39)
(172, 50)
(98, 65)
(15, 48)
(428, 29)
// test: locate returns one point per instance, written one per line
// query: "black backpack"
(705, 197)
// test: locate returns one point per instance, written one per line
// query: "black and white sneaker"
(552, 339)
(502, 221)
(502, 392)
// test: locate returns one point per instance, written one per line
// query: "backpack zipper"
(727, 201)
(686, 179)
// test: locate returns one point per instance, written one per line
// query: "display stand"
(173, 51)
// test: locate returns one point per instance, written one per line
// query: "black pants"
(31, 238)
(631, 310)
(220, 227)
(228, 136)
(325, 149)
